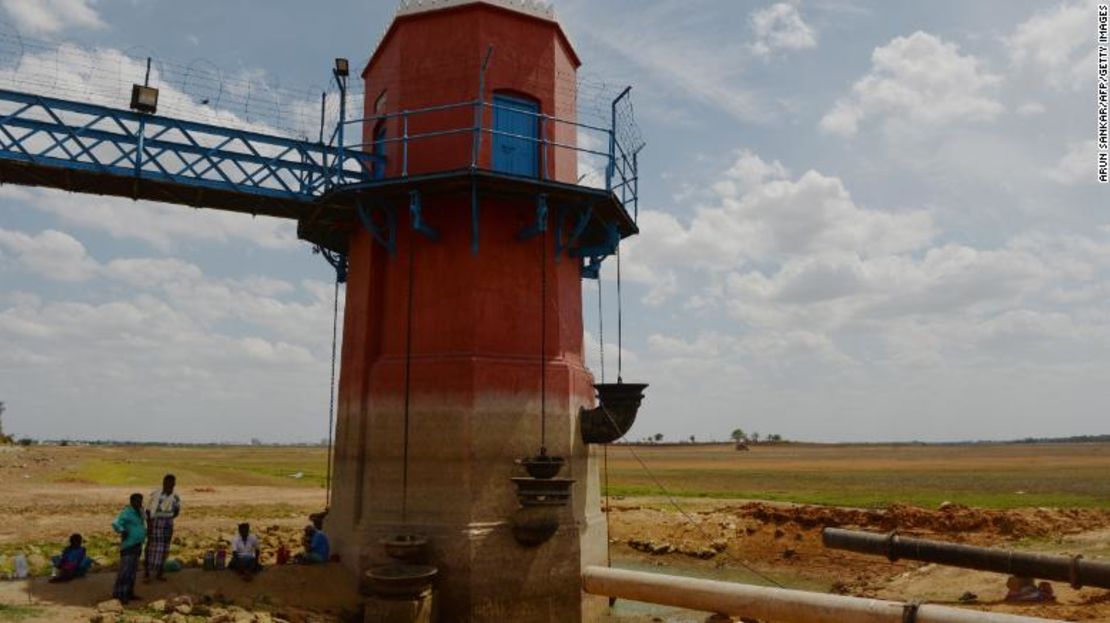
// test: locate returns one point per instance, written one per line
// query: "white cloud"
(681, 64)
(52, 254)
(780, 27)
(1077, 165)
(760, 215)
(916, 83)
(161, 225)
(1057, 44)
(49, 16)
(1030, 109)
(813, 292)
(747, 173)
(884, 343)
(177, 334)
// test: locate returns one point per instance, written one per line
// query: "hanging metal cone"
(400, 581)
(543, 467)
(405, 547)
(615, 413)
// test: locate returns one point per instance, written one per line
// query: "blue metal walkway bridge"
(95, 149)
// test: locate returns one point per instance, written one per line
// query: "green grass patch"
(143, 467)
(988, 477)
(863, 499)
(18, 613)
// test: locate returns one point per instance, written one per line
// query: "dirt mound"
(783, 542)
(951, 520)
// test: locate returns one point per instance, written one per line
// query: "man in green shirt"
(131, 526)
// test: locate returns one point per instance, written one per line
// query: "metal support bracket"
(597, 253)
(418, 224)
(576, 232)
(540, 226)
(337, 260)
(385, 236)
(605, 248)
(592, 269)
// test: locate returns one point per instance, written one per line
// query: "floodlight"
(342, 67)
(144, 99)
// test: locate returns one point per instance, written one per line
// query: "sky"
(859, 221)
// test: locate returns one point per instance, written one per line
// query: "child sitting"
(72, 562)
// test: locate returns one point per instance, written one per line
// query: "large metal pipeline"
(1073, 570)
(773, 604)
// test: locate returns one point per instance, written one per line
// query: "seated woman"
(73, 562)
(245, 553)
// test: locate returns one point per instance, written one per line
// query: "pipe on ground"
(1075, 571)
(773, 604)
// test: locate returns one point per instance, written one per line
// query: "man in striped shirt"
(162, 507)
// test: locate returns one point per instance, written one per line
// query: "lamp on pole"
(341, 71)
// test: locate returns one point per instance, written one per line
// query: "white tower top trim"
(535, 8)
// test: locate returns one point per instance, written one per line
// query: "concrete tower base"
(461, 497)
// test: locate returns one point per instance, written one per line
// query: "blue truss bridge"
(89, 148)
(244, 146)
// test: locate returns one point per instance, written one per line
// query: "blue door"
(517, 154)
(379, 150)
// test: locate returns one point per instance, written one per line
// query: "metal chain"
(331, 386)
(408, 380)
(620, 321)
(608, 541)
(543, 340)
(600, 329)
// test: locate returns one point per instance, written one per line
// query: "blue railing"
(65, 134)
(76, 136)
(612, 164)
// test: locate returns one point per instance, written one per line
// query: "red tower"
(464, 309)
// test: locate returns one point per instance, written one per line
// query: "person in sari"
(73, 562)
(162, 508)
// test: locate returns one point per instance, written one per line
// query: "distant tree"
(26, 441)
(658, 437)
(691, 439)
(738, 435)
(755, 437)
(256, 441)
(774, 438)
(2, 410)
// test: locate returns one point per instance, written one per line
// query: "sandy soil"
(298, 594)
(719, 539)
(783, 542)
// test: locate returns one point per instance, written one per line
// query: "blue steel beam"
(76, 136)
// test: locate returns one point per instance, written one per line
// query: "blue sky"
(861, 221)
